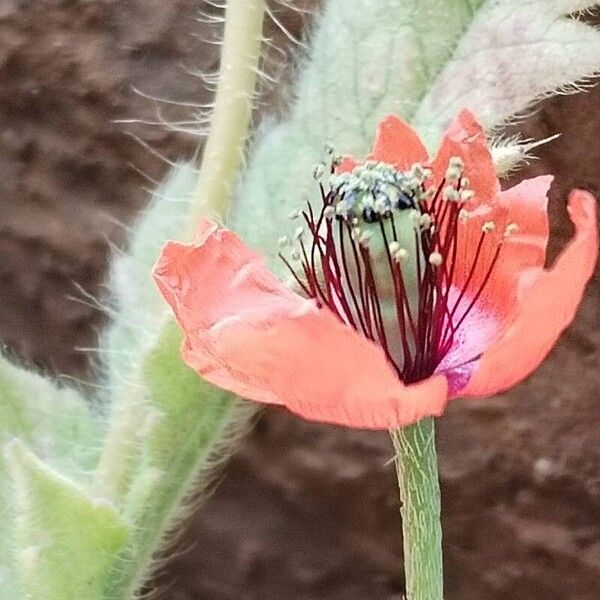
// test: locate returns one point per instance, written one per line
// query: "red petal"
(248, 333)
(548, 301)
(466, 139)
(398, 144)
(524, 204)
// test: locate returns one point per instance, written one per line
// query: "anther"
(329, 212)
(488, 227)
(394, 247)
(401, 254)
(319, 171)
(295, 255)
(450, 193)
(283, 242)
(425, 221)
(511, 229)
(466, 195)
(298, 233)
(464, 215)
(435, 259)
(364, 238)
(456, 162)
(295, 214)
(341, 209)
(453, 174)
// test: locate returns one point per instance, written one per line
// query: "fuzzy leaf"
(66, 541)
(514, 53)
(420, 60)
(137, 303)
(367, 59)
(138, 313)
(168, 428)
(191, 431)
(57, 423)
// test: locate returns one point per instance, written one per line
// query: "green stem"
(230, 122)
(221, 160)
(416, 466)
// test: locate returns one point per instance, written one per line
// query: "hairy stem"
(224, 148)
(416, 466)
(221, 160)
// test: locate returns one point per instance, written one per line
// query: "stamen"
(451, 194)
(401, 254)
(376, 238)
(436, 259)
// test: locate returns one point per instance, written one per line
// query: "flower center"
(381, 254)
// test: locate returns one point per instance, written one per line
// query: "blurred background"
(302, 511)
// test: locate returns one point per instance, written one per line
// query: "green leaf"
(367, 59)
(66, 541)
(423, 60)
(137, 305)
(138, 313)
(513, 54)
(191, 431)
(57, 423)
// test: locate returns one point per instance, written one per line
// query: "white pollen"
(328, 212)
(298, 233)
(429, 193)
(295, 255)
(450, 193)
(394, 247)
(456, 162)
(295, 214)
(341, 209)
(453, 174)
(401, 254)
(283, 241)
(425, 221)
(435, 259)
(467, 195)
(511, 229)
(488, 227)
(464, 215)
(364, 238)
(318, 171)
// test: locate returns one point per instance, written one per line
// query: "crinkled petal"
(248, 333)
(548, 300)
(466, 139)
(398, 144)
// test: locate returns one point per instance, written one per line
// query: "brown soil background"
(303, 511)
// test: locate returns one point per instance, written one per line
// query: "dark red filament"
(337, 270)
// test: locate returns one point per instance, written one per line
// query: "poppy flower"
(416, 281)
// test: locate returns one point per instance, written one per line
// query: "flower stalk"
(224, 147)
(416, 467)
(223, 152)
